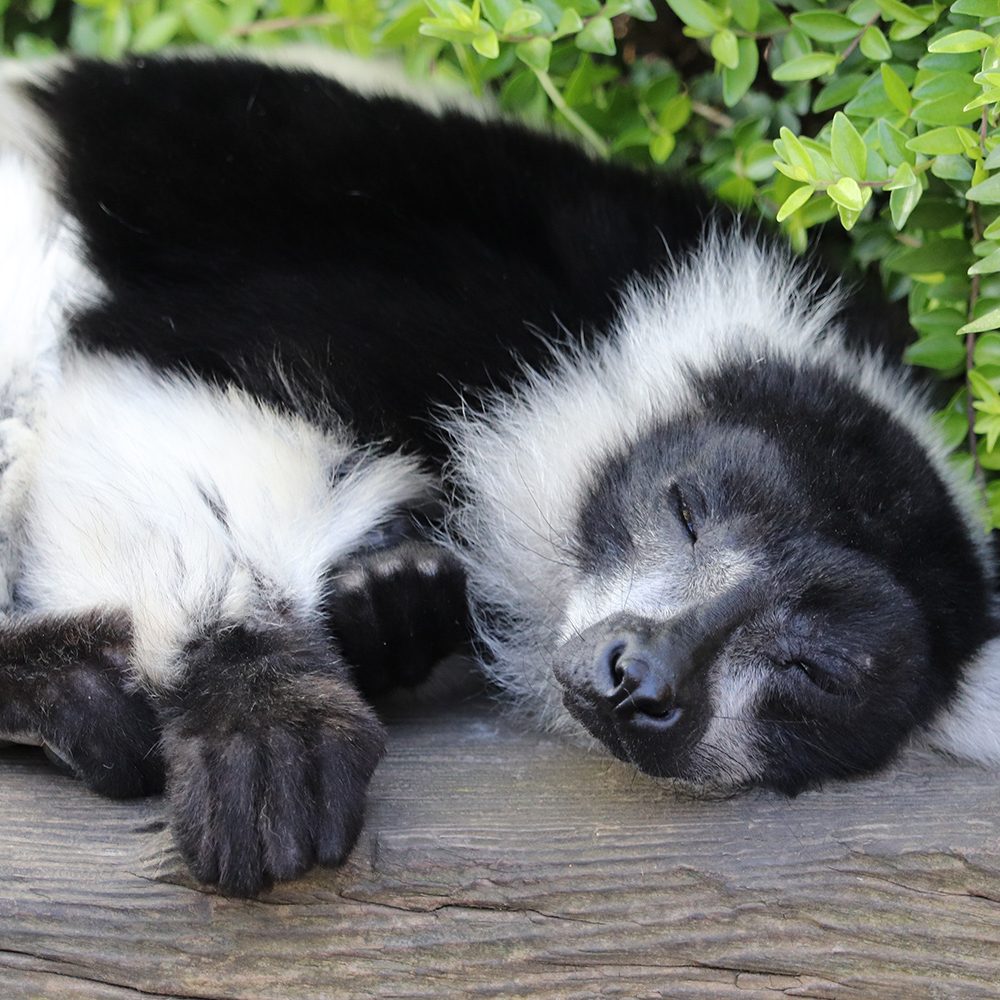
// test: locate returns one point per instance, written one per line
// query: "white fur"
(42, 281)
(191, 506)
(23, 129)
(970, 727)
(527, 460)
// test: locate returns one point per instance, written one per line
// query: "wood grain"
(501, 863)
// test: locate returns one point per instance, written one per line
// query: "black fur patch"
(295, 220)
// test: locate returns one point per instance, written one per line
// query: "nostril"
(611, 662)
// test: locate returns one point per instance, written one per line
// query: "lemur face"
(762, 601)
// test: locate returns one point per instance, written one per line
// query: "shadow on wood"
(500, 863)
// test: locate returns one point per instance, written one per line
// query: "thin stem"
(713, 115)
(557, 99)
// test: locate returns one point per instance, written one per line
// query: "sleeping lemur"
(307, 375)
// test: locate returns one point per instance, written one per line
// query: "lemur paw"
(267, 775)
(396, 612)
(67, 684)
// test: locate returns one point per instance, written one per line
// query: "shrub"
(877, 113)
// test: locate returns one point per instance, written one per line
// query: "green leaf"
(952, 168)
(949, 110)
(156, 32)
(987, 351)
(988, 425)
(953, 426)
(943, 353)
(521, 20)
(896, 10)
(746, 13)
(794, 202)
(989, 264)
(874, 45)
(984, 392)
(847, 193)
(446, 28)
(636, 135)
(938, 322)
(698, 14)
(114, 35)
(535, 53)
(992, 161)
(806, 67)
(902, 202)
(737, 190)
(988, 321)
(675, 113)
(977, 8)
(758, 161)
(940, 141)
(487, 44)
(893, 143)
(942, 99)
(961, 41)
(725, 48)
(838, 91)
(906, 191)
(825, 26)
(895, 89)
(662, 146)
(641, 10)
(790, 148)
(848, 149)
(569, 23)
(871, 101)
(497, 11)
(206, 21)
(736, 82)
(936, 256)
(986, 193)
(597, 36)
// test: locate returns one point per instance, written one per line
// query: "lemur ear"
(970, 726)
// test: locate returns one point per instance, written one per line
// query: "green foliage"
(881, 114)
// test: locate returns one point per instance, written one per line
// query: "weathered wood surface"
(498, 863)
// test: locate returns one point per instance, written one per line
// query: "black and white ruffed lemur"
(250, 311)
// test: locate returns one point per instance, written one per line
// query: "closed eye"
(683, 512)
(815, 674)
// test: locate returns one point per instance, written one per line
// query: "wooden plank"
(502, 863)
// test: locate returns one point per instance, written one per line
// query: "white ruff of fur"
(527, 462)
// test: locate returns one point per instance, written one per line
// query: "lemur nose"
(640, 679)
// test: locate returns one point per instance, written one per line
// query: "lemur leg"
(396, 612)
(65, 682)
(213, 519)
